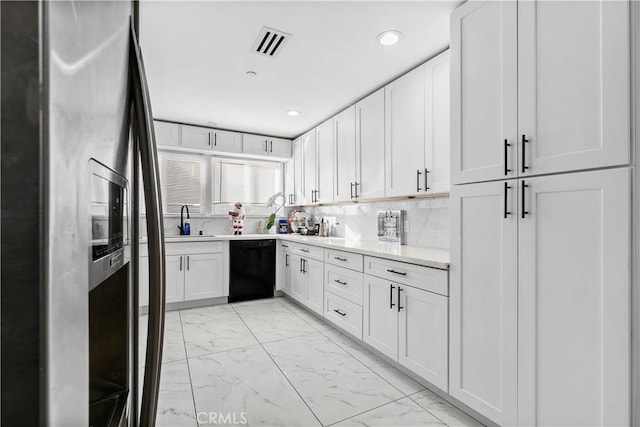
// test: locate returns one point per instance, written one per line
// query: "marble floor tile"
(404, 412)
(334, 384)
(447, 413)
(259, 306)
(272, 323)
(175, 400)
(173, 347)
(393, 376)
(246, 381)
(211, 329)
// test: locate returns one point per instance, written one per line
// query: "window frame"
(207, 180)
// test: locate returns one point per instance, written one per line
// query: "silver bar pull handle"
(143, 119)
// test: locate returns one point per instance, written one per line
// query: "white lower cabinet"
(408, 322)
(409, 325)
(313, 272)
(304, 278)
(423, 334)
(193, 271)
(174, 268)
(540, 286)
(380, 311)
(174, 290)
(344, 314)
(202, 277)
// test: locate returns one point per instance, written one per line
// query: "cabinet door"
(484, 91)
(313, 272)
(437, 125)
(370, 146)
(380, 311)
(280, 148)
(255, 144)
(345, 158)
(574, 287)
(196, 137)
(573, 85)
(298, 280)
(227, 142)
(203, 276)
(423, 335)
(287, 273)
(483, 301)
(310, 172)
(167, 133)
(404, 134)
(289, 182)
(174, 267)
(325, 162)
(298, 172)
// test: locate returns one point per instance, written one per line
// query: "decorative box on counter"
(391, 227)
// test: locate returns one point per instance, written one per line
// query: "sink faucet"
(185, 227)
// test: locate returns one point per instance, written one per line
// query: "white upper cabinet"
(167, 133)
(484, 91)
(255, 144)
(573, 85)
(309, 182)
(345, 158)
(324, 163)
(539, 87)
(404, 128)
(225, 141)
(266, 146)
(196, 137)
(369, 170)
(280, 148)
(437, 124)
(298, 172)
(573, 292)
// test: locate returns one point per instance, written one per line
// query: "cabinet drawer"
(344, 259)
(308, 251)
(428, 279)
(285, 245)
(343, 313)
(344, 282)
(193, 248)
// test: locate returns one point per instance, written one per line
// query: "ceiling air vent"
(270, 42)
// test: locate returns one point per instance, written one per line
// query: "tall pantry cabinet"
(540, 265)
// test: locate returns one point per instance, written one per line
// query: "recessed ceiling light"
(389, 38)
(293, 113)
(251, 74)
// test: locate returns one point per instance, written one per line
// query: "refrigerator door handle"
(155, 232)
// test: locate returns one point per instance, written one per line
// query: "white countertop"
(428, 257)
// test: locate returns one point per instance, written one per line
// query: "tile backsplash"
(427, 220)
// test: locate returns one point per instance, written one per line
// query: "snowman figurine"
(237, 218)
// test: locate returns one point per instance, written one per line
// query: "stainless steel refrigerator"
(76, 129)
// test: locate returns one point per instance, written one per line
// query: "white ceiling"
(197, 55)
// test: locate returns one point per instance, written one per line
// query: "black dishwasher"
(252, 272)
